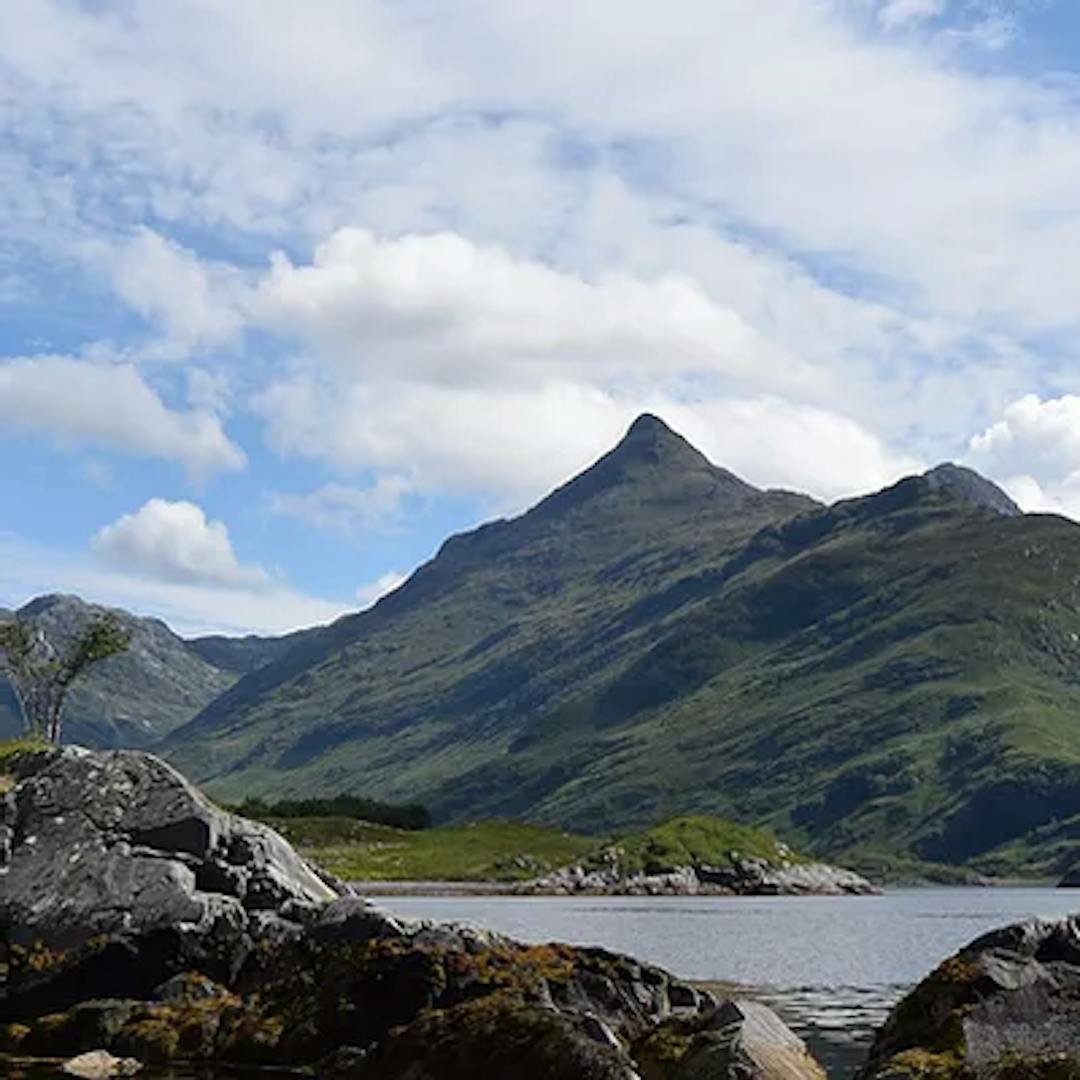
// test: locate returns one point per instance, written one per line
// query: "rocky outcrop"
(742, 877)
(103, 842)
(142, 922)
(1006, 1007)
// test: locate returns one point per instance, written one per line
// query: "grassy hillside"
(515, 851)
(895, 677)
(484, 851)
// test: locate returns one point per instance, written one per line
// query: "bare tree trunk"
(56, 713)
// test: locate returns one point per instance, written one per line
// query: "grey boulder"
(748, 1041)
(112, 842)
(1008, 1001)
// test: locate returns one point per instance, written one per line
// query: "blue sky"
(290, 292)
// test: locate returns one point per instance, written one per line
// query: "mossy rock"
(660, 1052)
(492, 1037)
(152, 1039)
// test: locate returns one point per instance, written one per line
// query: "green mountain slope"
(129, 700)
(894, 676)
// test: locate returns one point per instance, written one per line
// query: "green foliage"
(693, 841)
(483, 851)
(403, 816)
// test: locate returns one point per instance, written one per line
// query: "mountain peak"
(968, 486)
(650, 441)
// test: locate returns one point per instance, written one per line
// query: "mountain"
(129, 700)
(241, 655)
(891, 678)
(505, 622)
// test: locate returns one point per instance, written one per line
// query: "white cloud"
(340, 506)
(775, 443)
(896, 14)
(1060, 497)
(27, 570)
(1035, 449)
(109, 405)
(518, 444)
(386, 583)
(1036, 436)
(174, 542)
(425, 306)
(771, 181)
(169, 284)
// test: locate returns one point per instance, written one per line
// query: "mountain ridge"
(656, 636)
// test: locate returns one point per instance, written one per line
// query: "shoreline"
(467, 889)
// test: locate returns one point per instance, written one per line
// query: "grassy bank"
(508, 851)
(484, 851)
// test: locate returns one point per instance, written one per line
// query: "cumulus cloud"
(465, 369)
(1035, 449)
(422, 306)
(516, 445)
(341, 506)
(109, 405)
(168, 284)
(1035, 435)
(28, 569)
(174, 542)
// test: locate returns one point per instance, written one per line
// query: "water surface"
(831, 966)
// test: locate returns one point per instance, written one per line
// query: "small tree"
(41, 675)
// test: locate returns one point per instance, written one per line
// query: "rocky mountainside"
(890, 678)
(133, 699)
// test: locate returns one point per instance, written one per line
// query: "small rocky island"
(610, 873)
(143, 924)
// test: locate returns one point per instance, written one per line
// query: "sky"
(290, 292)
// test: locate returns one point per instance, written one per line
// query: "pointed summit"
(651, 465)
(649, 441)
(968, 486)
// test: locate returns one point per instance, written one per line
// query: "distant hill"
(241, 655)
(129, 700)
(895, 677)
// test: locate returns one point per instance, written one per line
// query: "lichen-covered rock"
(102, 842)
(1006, 1007)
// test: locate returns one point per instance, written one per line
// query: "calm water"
(832, 967)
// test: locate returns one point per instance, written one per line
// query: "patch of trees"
(411, 816)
